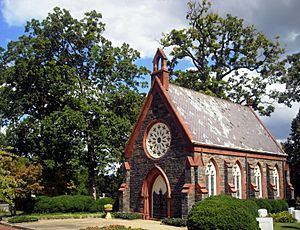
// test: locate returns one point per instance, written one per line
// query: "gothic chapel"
(186, 146)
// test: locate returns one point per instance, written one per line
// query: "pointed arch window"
(237, 181)
(276, 180)
(211, 181)
(258, 181)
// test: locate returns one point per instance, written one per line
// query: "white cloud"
(139, 23)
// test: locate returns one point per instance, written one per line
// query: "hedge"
(178, 222)
(128, 216)
(222, 212)
(20, 219)
(67, 203)
(273, 206)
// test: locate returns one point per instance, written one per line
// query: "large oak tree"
(231, 60)
(69, 96)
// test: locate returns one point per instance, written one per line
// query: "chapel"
(187, 146)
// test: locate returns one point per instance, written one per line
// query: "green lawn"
(285, 226)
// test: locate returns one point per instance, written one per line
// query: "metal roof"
(217, 122)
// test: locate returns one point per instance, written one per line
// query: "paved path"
(73, 224)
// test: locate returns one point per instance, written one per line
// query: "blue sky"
(141, 23)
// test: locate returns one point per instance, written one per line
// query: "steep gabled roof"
(221, 123)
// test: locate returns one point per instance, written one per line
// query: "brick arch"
(147, 188)
(218, 178)
(243, 177)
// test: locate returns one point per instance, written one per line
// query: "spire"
(160, 68)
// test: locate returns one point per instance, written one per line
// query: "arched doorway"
(156, 193)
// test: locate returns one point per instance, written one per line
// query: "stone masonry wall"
(173, 162)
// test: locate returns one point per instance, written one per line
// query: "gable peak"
(160, 69)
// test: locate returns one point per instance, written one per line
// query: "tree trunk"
(92, 182)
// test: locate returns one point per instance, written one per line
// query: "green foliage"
(298, 202)
(283, 217)
(98, 205)
(18, 177)
(292, 148)
(20, 219)
(67, 203)
(70, 98)
(221, 49)
(221, 212)
(178, 222)
(273, 206)
(127, 215)
(252, 206)
(292, 80)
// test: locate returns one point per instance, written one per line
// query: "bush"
(263, 204)
(221, 212)
(273, 206)
(252, 206)
(178, 222)
(283, 217)
(67, 203)
(98, 205)
(128, 216)
(20, 219)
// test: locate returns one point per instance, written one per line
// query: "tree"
(70, 96)
(292, 148)
(19, 178)
(231, 60)
(292, 80)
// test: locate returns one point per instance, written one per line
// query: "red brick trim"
(219, 151)
(218, 178)
(144, 111)
(231, 188)
(147, 190)
(187, 188)
(157, 88)
(194, 161)
(201, 188)
(254, 187)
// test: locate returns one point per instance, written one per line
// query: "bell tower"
(160, 69)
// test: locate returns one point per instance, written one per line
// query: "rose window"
(158, 140)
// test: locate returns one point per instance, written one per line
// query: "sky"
(141, 24)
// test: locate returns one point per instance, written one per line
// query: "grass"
(286, 226)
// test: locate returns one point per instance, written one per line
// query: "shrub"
(252, 206)
(272, 205)
(178, 222)
(297, 203)
(221, 212)
(20, 219)
(127, 215)
(283, 217)
(263, 204)
(98, 205)
(67, 203)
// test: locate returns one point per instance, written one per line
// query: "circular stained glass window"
(158, 140)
